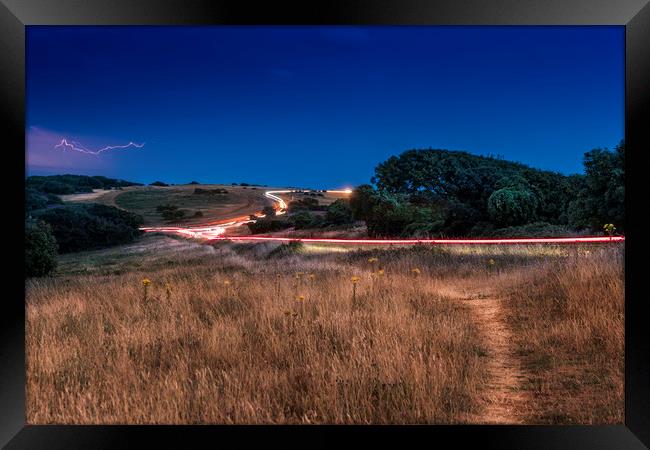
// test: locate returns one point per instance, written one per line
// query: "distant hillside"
(74, 184)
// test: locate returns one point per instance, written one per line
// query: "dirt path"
(504, 401)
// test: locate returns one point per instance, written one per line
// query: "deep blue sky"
(316, 106)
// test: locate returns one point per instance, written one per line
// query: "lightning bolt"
(76, 146)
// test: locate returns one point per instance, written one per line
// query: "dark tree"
(362, 201)
(40, 249)
(601, 198)
(512, 206)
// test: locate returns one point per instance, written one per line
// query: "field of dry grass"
(266, 334)
(568, 325)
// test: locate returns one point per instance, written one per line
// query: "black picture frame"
(633, 14)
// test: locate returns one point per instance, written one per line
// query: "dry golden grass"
(568, 322)
(244, 334)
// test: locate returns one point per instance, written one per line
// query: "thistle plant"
(227, 284)
(354, 280)
(145, 284)
(300, 300)
(490, 264)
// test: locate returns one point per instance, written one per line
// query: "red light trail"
(216, 231)
(568, 240)
(76, 146)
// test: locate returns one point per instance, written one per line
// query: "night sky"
(315, 107)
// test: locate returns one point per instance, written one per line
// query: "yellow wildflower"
(380, 272)
(354, 279)
(146, 282)
(372, 260)
(491, 262)
(226, 283)
(300, 298)
(416, 271)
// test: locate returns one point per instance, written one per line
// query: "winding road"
(217, 231)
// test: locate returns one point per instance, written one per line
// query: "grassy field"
(237, 202)
(267, 333)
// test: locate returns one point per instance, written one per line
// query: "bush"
(89, 226)
(198, 214)
(288, 249)
(268, 211)
(267, 225)
(512, 206)
(339, 213)
(201, 191)
(536, 229)
(158, 183)
(40, 249)
(305, 219)
(35, 199)
(304, 204)
(173, 214)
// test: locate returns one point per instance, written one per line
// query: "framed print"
(404, 220)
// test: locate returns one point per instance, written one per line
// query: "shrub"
(268, 211)
(536, 229)
(267, 225)
(512, 206)
(35, 199)
(339, 213)
(40, 249)
(200, 191)
(306, 219)
(304, 204)
(158, 183)
(198, 214)
(288, 249)
(173, 214)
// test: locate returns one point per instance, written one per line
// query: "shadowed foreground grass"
(568, 323)
(252, 334)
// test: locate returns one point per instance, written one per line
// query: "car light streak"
(569, 240)
(215, 231)
(281, 204)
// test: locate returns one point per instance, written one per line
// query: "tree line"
(435, 192)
